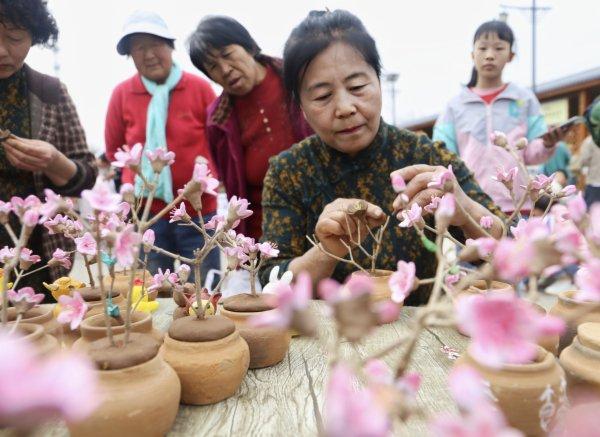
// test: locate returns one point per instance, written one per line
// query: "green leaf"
(454, 270)
(429, 245)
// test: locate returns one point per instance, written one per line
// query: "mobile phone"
(578, 119)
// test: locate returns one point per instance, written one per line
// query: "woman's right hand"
(337, 222)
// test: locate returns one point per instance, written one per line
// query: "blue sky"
(427, 42)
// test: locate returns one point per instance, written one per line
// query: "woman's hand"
(418, 179)
(39, 156)
(338, 222)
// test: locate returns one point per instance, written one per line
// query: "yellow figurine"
(60, 287)
(145, 305)
(9, 285)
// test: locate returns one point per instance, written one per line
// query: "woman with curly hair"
(46, 147)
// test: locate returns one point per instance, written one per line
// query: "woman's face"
(15, 43)
(234, 69)
(340, 96)
(152, 56)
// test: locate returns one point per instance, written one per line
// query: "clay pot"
(138, 400)
(41, 315)
(548, 342)
(94, 328)
(581, 359)
(44, 343)
(95, 305)
(210, 370)
(565, 308)
(268, 346)
(122, 278)
(381, 289)
(480, 287)
(529, 395)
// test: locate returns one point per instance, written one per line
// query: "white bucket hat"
(143, 22)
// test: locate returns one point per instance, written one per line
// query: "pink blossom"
(506, 177)
(166, 279)
(446, 208)
(55, 225)
(287, 301)
(593, 229)
(412, 216)
(101, 198)
(127, 245)
(127, 192)
(503, 328)
(160, 158)
(73, 309)
(24, 299)
(349, 412)
(148, 237)
(512, 259)
(60, 257)
(521, 143)
(183, 272)
(433, 205)
(387, 311)
(215, 223)
(398, 183)
(53, 204)
(31, 218)
(484, 421)
(468, 388)
(19, 205)
(268, 250)
(6, 254)
(235, 257)
(86, 245)
(531, 229)
(203, 177)
(179, 214)
(357, 285)
(34, 390)
(587, 279)
(237, 210)
(439, 180)
(28, 258)
(402, 281)
(567, 191)
(577, 208)
(486, 222)
(498, 138)
(127, 157)
(452, 279)
(5, 210)
(541, 181)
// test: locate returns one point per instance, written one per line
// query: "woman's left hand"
(30, 155)
(417, 178)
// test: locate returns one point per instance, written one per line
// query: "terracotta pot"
(529, 395)
(138, 400)
(581, 359)
(41, 315)
(548, 342)
(268, 346)
(381, 289)
(44, 343)
(209, 371)
(565, 308)
(122, 282)
(94, 328)
(480, 287)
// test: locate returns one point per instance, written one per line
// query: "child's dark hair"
(497, 27)
(215, 32)
(314, 34)
(542, 203)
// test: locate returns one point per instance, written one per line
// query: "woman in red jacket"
(162, 106)
(253, 118)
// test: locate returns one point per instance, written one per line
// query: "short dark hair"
(314, 34)
(32, 15)
(495, 27)
(215, 32)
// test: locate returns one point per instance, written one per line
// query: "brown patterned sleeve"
(284, 218)
(69, 138)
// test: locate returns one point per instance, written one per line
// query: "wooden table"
(276, 401)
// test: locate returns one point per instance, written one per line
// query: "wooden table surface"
(276, 401)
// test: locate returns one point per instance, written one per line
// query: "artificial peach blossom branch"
(344, 260)
(11, 233)
(103, 297)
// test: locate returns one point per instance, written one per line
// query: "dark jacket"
(224, 138)
(54, 119)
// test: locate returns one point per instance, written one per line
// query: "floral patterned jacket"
(302, 180)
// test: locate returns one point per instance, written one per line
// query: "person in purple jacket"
(253, 119)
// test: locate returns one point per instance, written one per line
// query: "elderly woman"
(46, 147)
(162, 106)
(252, 120)
(332, 68)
